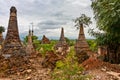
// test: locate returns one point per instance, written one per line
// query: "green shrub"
(43, 48)
(93, 44)
(68, 69)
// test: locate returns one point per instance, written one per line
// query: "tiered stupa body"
(62, 46)
(81, 43)
(12, 44)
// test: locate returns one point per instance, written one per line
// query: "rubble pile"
(14, 65)
(93, 63)
(50, 59)
(82, 56)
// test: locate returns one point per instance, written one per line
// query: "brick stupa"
(62, 46)
(81, 44)
(45, 40)
(30, 48)
(12, 44)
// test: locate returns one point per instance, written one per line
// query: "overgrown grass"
(69, 69)
(43, 48)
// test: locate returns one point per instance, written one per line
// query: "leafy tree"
(82, 20)
(92, 44)
(2, 29)
(36, 42)
(107, 15)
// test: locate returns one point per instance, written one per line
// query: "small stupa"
(45, 40)
(12, 44)
(62, 46)
(30, 48)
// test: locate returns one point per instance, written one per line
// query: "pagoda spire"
(81, 43)
(62, 47)
(81, 33)
(13, 26)
(29, 31)
(32, 29)
(12, 43)
(30, 48)
(30, 37)
(62, 38)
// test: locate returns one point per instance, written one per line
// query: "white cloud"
(48, 16)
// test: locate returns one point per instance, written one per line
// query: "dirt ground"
(38, 73)
(97, 69)
(100, 70)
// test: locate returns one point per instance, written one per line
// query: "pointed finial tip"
(43, 35)
(62, 28)
(13, 9)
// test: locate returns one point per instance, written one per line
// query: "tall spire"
(30, 37)
(32, 28)
(12, 42)
(29, 31)
(62, 38)
(30, 48)
(81, 33)
(81, 43)
(62, 46)
(12, 26)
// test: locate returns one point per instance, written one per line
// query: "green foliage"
(67, 40)
(2, 29)
(92, 44)
(69, 69)
(34, 38)
(107, 14)
(70, 42)
(83, 19)
(43, 48)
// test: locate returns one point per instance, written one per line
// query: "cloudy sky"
(47, 16)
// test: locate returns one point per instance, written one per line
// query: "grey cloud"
(52, 23)
(49, 24)
(48, 15)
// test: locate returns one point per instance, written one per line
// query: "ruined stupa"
(12, 44)
(81, 44)
(62, 46)
(30, 48)
(45, 40)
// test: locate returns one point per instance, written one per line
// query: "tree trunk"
(113, 54)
